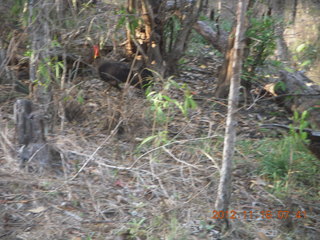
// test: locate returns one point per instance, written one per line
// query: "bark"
(155, 48)
(130, 45)
(39, 72)
(146, 19)
(208, 9)
(36, 154)
(218, 39)
(282, 48)
(225, 187)
(181, 42)
(294, 11)
(6, 75)
(32, 120)
(223, 82)
(143, 45)
(149, 38)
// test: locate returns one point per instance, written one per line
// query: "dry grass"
(112, 191)
(107, 186)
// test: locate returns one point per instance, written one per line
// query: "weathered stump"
(35, 154)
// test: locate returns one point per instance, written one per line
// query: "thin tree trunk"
(180, 44)
(278, 7)
(131, 4)
(39, 11)
(224, 191)
(225, 74)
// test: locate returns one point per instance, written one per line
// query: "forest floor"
(139, 168)
(115, 188)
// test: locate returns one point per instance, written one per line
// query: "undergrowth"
(286, 164)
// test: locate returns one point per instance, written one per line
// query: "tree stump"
(35, 154)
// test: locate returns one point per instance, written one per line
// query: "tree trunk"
(150, 36)
(180, 43)
(36, 155)
(129, 45)
(223, 82)
(282, 48)
(40, 71)
(32, 120)
(217, 39)
(225, 188)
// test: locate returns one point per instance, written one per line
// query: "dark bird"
(312, 135)
(116, 73)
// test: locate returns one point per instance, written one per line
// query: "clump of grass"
(285, 163)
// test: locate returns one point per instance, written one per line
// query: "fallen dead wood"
(298, 93)
(218, 39)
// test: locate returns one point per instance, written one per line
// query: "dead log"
(298, 93)
(35, 154)
(218, 39)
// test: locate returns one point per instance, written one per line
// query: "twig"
(98, 148)
(167, 144)
(179, 160)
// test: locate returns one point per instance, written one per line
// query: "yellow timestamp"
(266, 214)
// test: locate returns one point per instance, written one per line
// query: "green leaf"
(165, 97)
(304, 115)
(146, 140)
(306, 63)
(191, 103)
(80, 99)
(280, 86)
(290, 70)
(174, 83)
(301, 47)
(304, 135)
(304, 125)
(121, 22)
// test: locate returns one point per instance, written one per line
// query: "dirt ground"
(113, 189)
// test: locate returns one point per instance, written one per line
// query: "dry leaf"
(203, 66)
(38, 210)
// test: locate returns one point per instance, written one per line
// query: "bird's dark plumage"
(115, 73)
